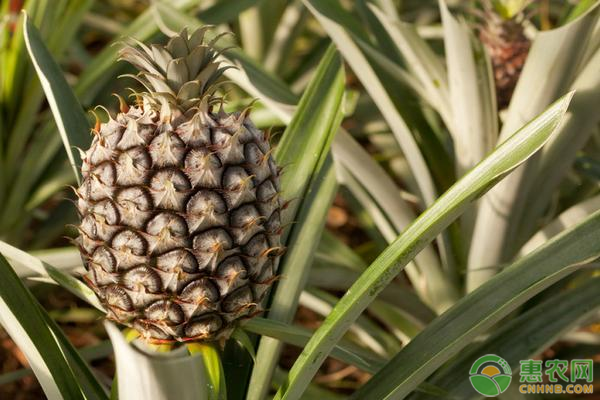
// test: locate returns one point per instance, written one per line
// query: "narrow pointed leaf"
(44, 269)
(474, 120)
(565, 220)
(224, 11)
(311, 179)
(90, 385)
(322, 9)
(525, 336)
(22, 318)
(344, 351)
(68, 114)
(421, 60)
(559, 155)
(308, 136)
(214, 369)
(343, 31)
(481, 309)
(552, 64)
(444, 211)
(102, 67)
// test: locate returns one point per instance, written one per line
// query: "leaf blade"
(68, 113)
(551, 65)
(354, 56)
(297, 336)
(525, 336)
(305, 145)
(448, 207)
(23, 319)
(44, 269)
(484, 307)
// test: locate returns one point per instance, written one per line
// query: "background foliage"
(427, 226)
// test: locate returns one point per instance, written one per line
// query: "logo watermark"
(557, 382)
(491, 375)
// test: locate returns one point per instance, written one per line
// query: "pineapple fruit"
(502, 33)
(180, 202)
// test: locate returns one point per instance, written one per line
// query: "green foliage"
(423, 121)
(28, 143)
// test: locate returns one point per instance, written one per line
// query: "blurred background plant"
(430, 89)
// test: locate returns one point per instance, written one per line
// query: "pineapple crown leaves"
(508, 9)
(501, 23)
(182, 73)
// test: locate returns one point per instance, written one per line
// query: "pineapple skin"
(508, 48)
(180, 206)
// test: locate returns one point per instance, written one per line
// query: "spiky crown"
(181, 73)
(506, 9)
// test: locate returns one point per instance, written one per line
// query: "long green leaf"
(312, 392)
(226, 11)
(88, 353)
(305, 147)
(333, 250)
(336, 22)
(214, 368)
(363, 331)
(68, 114)
(553, 61)
(524, 336)
(308, 136)
(251, 35)
(580, 9)
(433, 286)
(44, 269)
(421, 60)
(403, 298)
(89, 383)
(344, 351)
(31, 168)
(484, 307)
(402, 327)
(337, 266)
(406, 90)
(367, 203)
(295, 268)
(446, 209)
(556, 159)
(289, 28)
(65, 26)
(565, 220)
(62, 258)
(22, 318)
(323, 9)
(423, 272)
(474, 120)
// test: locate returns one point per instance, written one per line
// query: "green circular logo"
(490, 375)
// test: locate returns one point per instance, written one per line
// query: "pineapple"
(179, 202)
(502, 34)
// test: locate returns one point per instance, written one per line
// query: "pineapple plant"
(158, 253)
(503, 35)
(180, 202)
